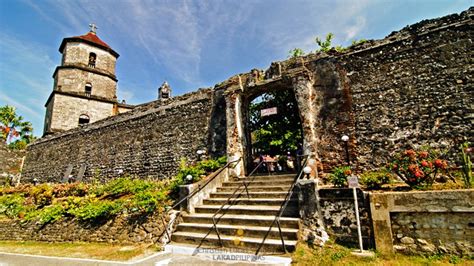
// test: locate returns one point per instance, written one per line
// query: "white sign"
(353, 181)
(268, 111)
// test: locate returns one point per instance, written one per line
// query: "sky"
(190, 44)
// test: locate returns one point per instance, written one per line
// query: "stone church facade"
(412, 88)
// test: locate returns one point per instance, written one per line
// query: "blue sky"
(191, 44)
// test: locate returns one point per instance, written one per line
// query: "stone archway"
(237, 101)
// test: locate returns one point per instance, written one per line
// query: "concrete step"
(290, 211)
(233, 219)
(254, 195)
(234, 242)
(256, 188)
(243, 200)
(259, 183)
(267, 177)
(239, 230)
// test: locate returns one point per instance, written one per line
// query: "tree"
(14, 131)
(276, 133)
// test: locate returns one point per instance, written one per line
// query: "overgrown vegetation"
(375, 179)
(325, 45)
(196, 171)
(339, 175)
(46, 203)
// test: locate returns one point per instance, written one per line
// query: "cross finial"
(93, 27)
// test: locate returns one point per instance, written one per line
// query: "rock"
(407, 240)
(399, 248)
(422, 242)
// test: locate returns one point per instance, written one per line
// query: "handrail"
(216, 173)
(245, 184)
(283, 207)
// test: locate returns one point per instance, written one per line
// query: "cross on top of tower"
(93, 27)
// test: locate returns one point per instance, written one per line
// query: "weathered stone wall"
(78, 54)
(122, 229)
(333, 210)
(74, 80)
(338, 212)
(432, 232)
(67, 109)
(10, 164)
(424, 221)
(148, 141)
(412, 88)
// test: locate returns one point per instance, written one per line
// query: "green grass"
(102, 251)
(333, 254)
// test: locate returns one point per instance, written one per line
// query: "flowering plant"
(417, 168)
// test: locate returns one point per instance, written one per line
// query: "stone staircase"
(243, 224)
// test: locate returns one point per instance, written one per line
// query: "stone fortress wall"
(412, 88)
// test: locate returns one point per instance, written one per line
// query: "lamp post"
(189, 179)
(345, 139)
(200, 153)
(307, 171)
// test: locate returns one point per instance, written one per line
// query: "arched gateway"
(317, 92)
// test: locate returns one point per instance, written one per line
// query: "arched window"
(88, 89)
(83, 119)
(92, 58)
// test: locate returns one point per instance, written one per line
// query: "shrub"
(339, 175)
(375, 179)
(12, 205)
(209, 165)
(51, 214)
(417, 169)
(96, 210)
(42, 194)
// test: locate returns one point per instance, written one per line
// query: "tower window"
(83, 119)
(88, 89)
(92, 58)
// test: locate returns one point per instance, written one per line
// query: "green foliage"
(324, 46)
(42, 194)
(12, 205)
(51, 214)
(97, 210)
(339, 175)
(466, 165)
(357, 42)
(13, 129)
(209, 165)
(418, 169)
(88, 202)
(222, 160)
(375, 179)
(296, 52)
(276, 133)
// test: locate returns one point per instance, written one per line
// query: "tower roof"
(89, 38)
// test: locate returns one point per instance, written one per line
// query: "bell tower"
(85, 84)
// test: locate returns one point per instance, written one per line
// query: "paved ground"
(174, 255)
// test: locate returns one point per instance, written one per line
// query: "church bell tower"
(85, 84)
